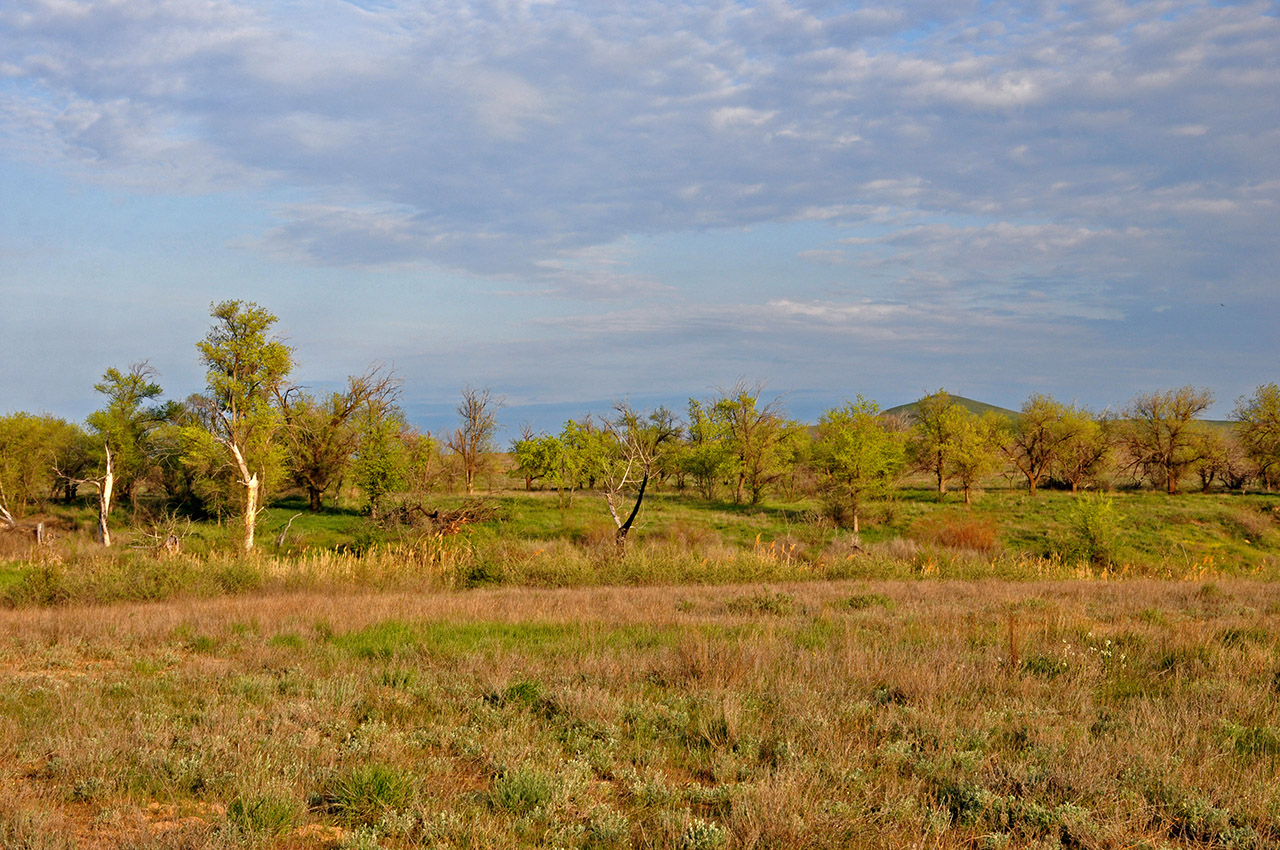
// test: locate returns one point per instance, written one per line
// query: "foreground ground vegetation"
(1083, 714)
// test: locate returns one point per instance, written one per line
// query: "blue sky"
(578, 202)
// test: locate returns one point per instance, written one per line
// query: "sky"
(574, 203)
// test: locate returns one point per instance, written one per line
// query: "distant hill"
(976, 407)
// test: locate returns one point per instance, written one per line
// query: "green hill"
(976, 407)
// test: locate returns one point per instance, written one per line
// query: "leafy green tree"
(1220, 459)
(322, 433)
(128, 423)
(1035, 438)
(1161, 433)
(537, 457)
(382, 459)
(936, 424)
(1085, 447)
(975, 448)
(586, 452)
(245, 372)
(707, 455)
(858, 456)
(637, 442)
(38, 456)
(1258, 426)
(754, 432)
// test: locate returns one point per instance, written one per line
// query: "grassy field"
(868, 714)
(1101, 672)
(534, 540)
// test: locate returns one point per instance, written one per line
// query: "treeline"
(253, 432)
(742, 446)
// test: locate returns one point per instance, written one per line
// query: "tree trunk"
(855, 519)
(313, 496)
(250, 510)
(250, 482)
(104, 502)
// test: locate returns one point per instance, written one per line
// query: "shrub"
(263, 815)
(1092, 528)
(364, 793)
(520, 791)
(971, 533)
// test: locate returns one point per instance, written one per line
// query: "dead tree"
(105, 484)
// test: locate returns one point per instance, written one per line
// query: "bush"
(521, 791)
(1092, 527)
(366, 792)
(953, 532)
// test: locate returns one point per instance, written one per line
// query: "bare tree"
(105, 484)
(472, 442)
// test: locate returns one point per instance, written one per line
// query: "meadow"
(743, 677)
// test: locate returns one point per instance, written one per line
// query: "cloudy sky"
(573, 202)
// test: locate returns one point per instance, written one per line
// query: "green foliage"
(936, 425)
(128, 422)
(707, 455)
(364, 793)
(1036, 436)
(538, 458)
(383, 461)
(975, 448)
(754, 431)
(522, 790)
(31, 449)
(859, 456)
(1258, 424)
(245, 372)
(1161, 433)
(1092, 528)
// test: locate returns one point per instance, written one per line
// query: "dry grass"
(1090, 714)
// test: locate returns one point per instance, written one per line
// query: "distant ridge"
(975, 407)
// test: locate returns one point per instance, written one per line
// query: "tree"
(935, 426)
(323, 434)
(127, 423)
(472, 442)
(975, 448)
(858, 456)
(1035, 438)
(1160, 433)
(638, 440)
(1085, 446)
(707, 455)
(1258, 426)
(754, 432)
(382, 460)
(245, 371)
(105, 484)
(537, 457)
(35, 451)
(585, 453)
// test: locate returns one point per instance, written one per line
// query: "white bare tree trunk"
(250, 482)
(105, 484)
